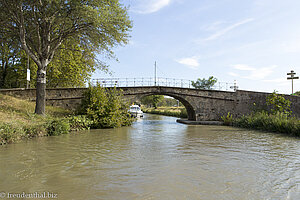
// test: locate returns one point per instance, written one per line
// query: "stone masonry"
(201, 105)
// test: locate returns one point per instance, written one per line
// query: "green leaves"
(205, 83)
(105, 107)
(278, 103)
(152, 99)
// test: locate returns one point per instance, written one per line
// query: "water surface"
(156, 158)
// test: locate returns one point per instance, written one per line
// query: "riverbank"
(277, 123)
(18, 121)
(179, 112)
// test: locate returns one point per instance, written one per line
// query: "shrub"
(58, 127)
(227, 119)
(278, 122)
(278, 103)
(80, 122)
(34, 130)
(105, 108)
(183, 113)
(9, 133)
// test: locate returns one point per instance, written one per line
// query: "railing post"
(133, 82)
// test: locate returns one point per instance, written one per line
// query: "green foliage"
(182, 113)
(152, 100)
(227, 119)
(41, 27)
(71, 67)
(278, 122)
(297, 93)
(8, 132)
(278, 103)
(80, 122)
(205, 83)
(58, 127)
(105, 107)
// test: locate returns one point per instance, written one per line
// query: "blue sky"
(255, 42)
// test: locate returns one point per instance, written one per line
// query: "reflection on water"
(156, 158)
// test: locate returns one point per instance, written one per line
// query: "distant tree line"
(160, 101)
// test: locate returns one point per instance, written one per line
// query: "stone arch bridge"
(201, 105)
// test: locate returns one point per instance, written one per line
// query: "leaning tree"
(41, 26)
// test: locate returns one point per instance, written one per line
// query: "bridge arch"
(189, 108)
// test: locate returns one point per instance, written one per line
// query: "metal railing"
(160, 81)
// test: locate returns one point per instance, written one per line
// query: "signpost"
(28, 74)
(292, 77)
(234, 87)
(155, 73)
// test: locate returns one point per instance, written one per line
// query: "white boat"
(135, 111)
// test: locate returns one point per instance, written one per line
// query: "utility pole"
(155, 73)
(292, 77)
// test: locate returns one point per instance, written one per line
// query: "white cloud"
(190, 62)
(243, 67)
(233, 74)
(291, 46)
(277, 80)
(223, 31)
(150, 6)
(261, 73)
(252, 72)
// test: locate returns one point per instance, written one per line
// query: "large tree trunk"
(40, 91)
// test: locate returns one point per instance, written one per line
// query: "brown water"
(156, 158)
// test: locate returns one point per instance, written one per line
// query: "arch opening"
(189, 108)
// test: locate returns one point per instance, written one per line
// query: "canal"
(156, 158)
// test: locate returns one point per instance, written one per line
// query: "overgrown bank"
(167, 111)
(100, 109)
(277, 118)
(277, 122)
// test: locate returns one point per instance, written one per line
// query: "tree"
(41, 27)
(297, 93)
(9, 56)
(153, 100)
(205, 84)
(71, 67)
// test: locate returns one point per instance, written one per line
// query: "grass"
(167, 111)
(18, 121)
(279, 123)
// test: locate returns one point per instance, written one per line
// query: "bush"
(80, 122)
(278, 103)
(58, 127)
(9, 133)
(183, 113)
(105, 108)
(227, 119)
(34, 130)
(279, 122)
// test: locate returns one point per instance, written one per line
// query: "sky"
(255, 42)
